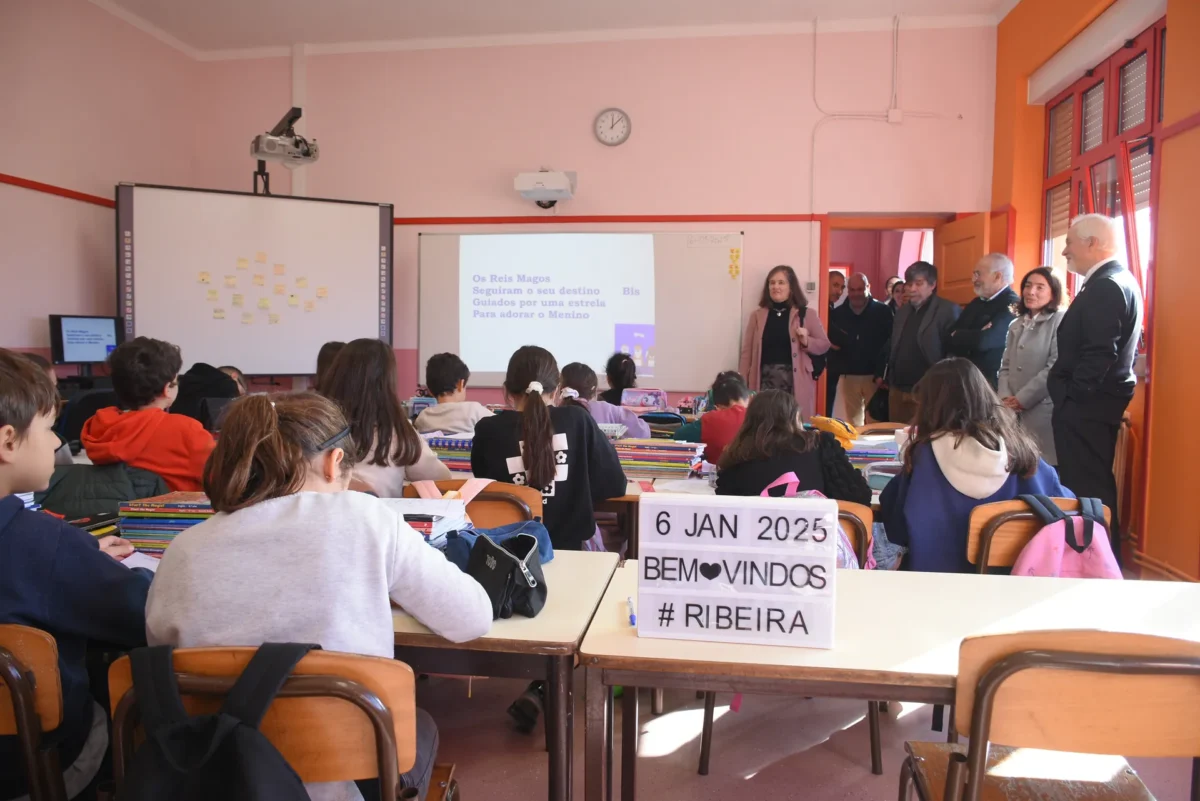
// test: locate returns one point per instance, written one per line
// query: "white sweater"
(451, 418)
(309, 567)
(388, 482)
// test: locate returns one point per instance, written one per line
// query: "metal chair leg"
(876, 743)
(1195, 796)
(951, 728)
(906, 780)
(657, 701)
(710, 701)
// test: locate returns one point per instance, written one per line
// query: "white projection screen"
(255, 281)
(671, 300)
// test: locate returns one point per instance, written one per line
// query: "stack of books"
(873, 448)
(27, 499)
(418, 404)
(657, 458)
(454, 450)
(151, 524)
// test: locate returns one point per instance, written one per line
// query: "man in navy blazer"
(1092, 382)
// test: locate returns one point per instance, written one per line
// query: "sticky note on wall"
(310, 305)
(322, 292)
(212, 294)
(272, 319)
(239, 301)
(204, 278)
(218, 314)
(293, 300)
(281, 289)
(247, 318)
(302, 282)
(243, 264)
(264, 303)
(260, 279)
(231, 281)
(280, 269)
(261, 257)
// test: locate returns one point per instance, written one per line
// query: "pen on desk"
(632, 616)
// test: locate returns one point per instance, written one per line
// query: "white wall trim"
(150, 28)
(1120, 22)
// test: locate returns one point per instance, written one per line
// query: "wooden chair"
(498, 505)
(880, 428)
(857, 521)
(1088, 692)
(998, 532)
(31, 703)
(339, 717)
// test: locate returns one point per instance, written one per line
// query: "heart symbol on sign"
(710, 570)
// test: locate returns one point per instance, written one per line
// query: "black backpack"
(206, 757)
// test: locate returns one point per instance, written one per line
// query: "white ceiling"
(231, 28)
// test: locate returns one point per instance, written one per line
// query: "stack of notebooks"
(870, 449)
(27, 499)
(454, 450)
(151, 524)
(657, 458)
(432, 518)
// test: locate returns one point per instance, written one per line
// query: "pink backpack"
(847, 560)
(1067, 546)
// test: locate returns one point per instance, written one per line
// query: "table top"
(897, 627)
(575, 580)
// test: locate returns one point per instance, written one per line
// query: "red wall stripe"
(49, 189)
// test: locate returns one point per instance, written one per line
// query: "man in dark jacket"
(859, 330)
(981, 331)
(1092, 381)
(919, 336)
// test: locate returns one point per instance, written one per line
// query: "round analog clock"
(612, 127)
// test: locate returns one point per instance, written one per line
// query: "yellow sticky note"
(302, 282)
(264, 303)
(231, 281)
(247, 318)
(204, 278)
(261, 257)
(243, 264)
(272, 319)
(239, 301)
(322, 292)
(293, 300)
(310, 305)
(218, 314)
(280, 269)
(212, 294)
(260, 279)
(281, 289)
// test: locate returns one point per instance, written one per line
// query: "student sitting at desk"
(389, 451)
(621, 372)
(145, 377)
(773, 442)
(446, 378)
(579, 388)
(337, 559)
(966, 449)
(716, 429)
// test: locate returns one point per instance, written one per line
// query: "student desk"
(543, 647)
(873, 657)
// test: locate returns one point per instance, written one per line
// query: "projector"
(292, 151)
(546, 187)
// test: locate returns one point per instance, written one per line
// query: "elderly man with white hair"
(981, 331)
(1092, 380)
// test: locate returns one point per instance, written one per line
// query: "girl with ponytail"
(579, 387)
(292, 556)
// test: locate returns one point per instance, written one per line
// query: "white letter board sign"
(737, 570)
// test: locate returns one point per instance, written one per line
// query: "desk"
(874, 658)
(543, 647)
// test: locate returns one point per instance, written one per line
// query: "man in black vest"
(859, 330)
(1092, 381)
(981, 331)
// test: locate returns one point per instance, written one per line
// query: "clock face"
(612, 126)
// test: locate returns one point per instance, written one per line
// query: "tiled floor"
(774, 748)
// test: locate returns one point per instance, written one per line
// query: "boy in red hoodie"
(145, 377)
(716, 429)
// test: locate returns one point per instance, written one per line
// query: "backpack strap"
(1092, 512)
(262, 679)
(1046, 510)
(157, 688)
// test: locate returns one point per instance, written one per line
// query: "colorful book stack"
(453, 450)
(870, 449)
(151, 524)
(418, 404)
(657, 458)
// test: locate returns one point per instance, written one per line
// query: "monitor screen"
(83, 340)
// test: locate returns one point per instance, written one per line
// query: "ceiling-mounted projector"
(545, 187)
(291, 151)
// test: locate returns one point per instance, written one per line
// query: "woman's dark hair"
(266, 446)
(729, 387)
(955, 399)
(362, 380)
(581, 378)
(527, 366)
(772, 426)
(140, 368)
(1055, 290)
(796, 298)
(443, 371)
(621, 371)
(325, 357)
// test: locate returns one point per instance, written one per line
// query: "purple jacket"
(604, 412)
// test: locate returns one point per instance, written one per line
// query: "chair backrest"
(498, 505)
(998, 532)
(29, 664)
(80, 409)
(858, 523)
(880, 428)
(1078, 691)
(320, 724)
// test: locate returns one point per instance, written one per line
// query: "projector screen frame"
(125, 263)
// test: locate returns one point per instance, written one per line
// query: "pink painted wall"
(889, 257)
(857, 248)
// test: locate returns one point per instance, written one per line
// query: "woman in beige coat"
(1031, 350)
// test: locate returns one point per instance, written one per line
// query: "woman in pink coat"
(781, 337)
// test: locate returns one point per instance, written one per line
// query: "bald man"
(981, 331)
(859, 330)
(1092, 381)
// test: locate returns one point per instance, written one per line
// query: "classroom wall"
(859, 249)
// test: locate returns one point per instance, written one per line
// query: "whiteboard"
(259, 282)
(690, 310)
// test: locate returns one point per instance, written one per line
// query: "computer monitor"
(80, 339)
